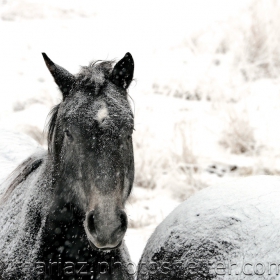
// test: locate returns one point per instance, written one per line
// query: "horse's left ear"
(122, 73)
(62, 77)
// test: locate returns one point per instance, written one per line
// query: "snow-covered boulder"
(230, 231)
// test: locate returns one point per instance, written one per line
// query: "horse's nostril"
(123, 219)
(90, 222)
(105, 230)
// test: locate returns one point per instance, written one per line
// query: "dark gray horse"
(62, 212)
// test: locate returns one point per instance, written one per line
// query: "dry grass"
(185, 169)
(239, 136)
(221, 58)
(262, 40)
(219, 64)
(174, 169)
(149, 162)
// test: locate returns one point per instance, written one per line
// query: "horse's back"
(19, 210)
(213, 233)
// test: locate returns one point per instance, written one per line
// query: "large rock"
(227, 232)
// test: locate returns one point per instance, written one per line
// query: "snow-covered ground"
(205, 95)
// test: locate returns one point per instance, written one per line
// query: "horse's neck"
(64, 226)
(64, 240)
(63, 214)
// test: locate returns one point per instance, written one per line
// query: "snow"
(193, 79)
(239, 218)
(14, 148)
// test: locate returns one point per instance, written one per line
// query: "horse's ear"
(62, 77)
(122, 73)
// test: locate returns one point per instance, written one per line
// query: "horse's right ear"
(62, 77)
(122, 73)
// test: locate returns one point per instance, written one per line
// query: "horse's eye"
(68, 134)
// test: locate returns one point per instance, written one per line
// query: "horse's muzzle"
(104, 231)
(104, 249)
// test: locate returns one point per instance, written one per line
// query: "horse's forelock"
(100, 66)
(94, 75)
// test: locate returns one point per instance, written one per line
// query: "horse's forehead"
(111, 110)
(85, 108)
(100, 111)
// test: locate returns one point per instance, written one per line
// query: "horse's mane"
(51, 125)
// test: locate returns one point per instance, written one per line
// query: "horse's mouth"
(104, 248)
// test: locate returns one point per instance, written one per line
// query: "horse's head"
(90, 141)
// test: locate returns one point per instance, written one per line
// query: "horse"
(62, 209)
(230, 231)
